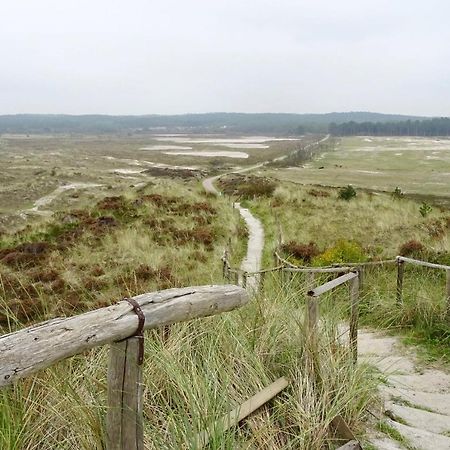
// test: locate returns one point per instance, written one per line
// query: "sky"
(188, 56)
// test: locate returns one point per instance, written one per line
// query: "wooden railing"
(313, 307)
(28, 350)
(401, 260)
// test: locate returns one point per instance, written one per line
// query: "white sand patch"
(211, 154)
(168, 166)
(243, 145)
(368, 140)
(165, 147)
(398, 154)
(216, 140)
(47, 199)
(368, 171)
(131, 162)
(126, 171)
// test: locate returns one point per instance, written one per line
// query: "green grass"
(379, 225)
(203, 370)
(394, 434)
(416, 165)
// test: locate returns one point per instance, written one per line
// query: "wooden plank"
(124, 420)
(316, 292)
(354, 315)
(342, 429)
(400, 274)
(351, 445)
(242, 411)
(26, 351)
(417, 262)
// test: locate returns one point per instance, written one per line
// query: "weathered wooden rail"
(401, 260)
(28, 350)
(313, 307)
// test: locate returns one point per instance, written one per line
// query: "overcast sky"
(176, 56)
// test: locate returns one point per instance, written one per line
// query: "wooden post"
(236, 278)
(312, 306)
(244, 280)
(448, 295)
(354, 301)
(400, 273)
(124, 416)
(262, 280)
(361, 274)
(224, 269)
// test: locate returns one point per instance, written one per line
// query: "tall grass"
(201, 371)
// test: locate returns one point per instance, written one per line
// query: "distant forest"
(430, 127)
(227, 123)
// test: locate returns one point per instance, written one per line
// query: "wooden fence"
(401, 260)
(26, 351)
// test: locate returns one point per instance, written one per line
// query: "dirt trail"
(416, 399)
(47, 199)
(255, 246)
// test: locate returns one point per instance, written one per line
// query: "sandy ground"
(416, 399)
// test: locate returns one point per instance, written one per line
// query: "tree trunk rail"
(37, 347)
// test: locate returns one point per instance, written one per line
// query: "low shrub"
(412, 248)
(318, 193)
(397, 194)
(347, 193)
(342, 252)
(302, 252)
(425, 209)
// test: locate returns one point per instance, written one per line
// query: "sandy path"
(255, 246)
(49, 198)
(416, 400)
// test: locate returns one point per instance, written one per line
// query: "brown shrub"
(112, 203)
(27, 254)
(23, 310)
(318, 193)
(204, 207)
(144, 272)
(94, 284)
(248, 186)
(159, 200)
(435, 228)
(412, 248)
(203, 235)
(58, 285)
(97, 271)
(44, 275)
(304, 252)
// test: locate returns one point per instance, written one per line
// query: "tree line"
(430, 127)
